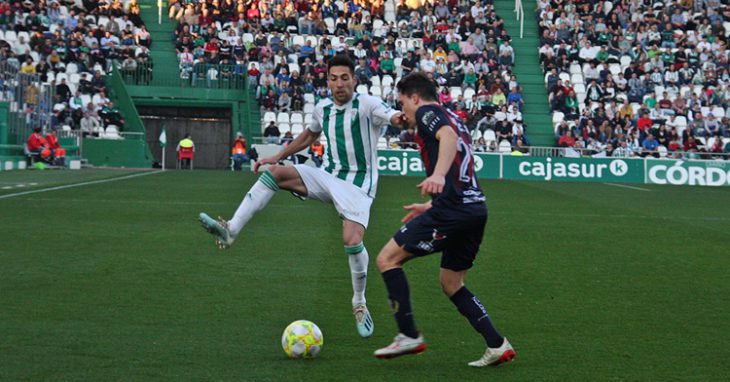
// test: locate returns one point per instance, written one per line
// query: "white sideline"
(78, 184)
(625, 186)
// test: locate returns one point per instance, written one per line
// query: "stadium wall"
(132, 153)
(606, 170)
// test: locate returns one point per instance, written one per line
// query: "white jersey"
(352, 131)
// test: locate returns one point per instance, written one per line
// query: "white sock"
(255, 200)
(358, 257)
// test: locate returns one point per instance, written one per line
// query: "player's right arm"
(434, 184)
(302, 141)
(415, 210)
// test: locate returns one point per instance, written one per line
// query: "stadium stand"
(638, 78)
(283, 47)
(66, 48)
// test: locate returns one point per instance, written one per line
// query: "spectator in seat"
(185, 143)
(57, 152)
(37, 144)
(284, 103)
(566, 140)
(111, 116)
(89, 122)
(272, 133)
(649, 146)
(316, 152)
(407, 139)
(239, 151)
(63, 92)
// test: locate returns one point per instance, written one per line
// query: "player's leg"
(352, 235)
(409, 340)
(274, 178)
(457, 259)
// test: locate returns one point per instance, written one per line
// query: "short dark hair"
(418, 83)
(341, 60)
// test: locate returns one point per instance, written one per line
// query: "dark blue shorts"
(457, 232)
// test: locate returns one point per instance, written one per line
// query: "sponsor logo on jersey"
(437, 236)
(428, 118)
(426, 246)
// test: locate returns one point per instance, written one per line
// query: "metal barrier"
(31, 101)
(520, 16)
(203, 76)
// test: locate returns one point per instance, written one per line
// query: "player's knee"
(277, 172)
(450, 286)
(384, 263)
(351, 238)
(390, 257)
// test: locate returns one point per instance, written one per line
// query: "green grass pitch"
(116, 281)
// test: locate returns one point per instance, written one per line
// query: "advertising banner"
(618, 170)
(408, 163)
(688, 173)
(610, 170)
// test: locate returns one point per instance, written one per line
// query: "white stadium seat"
(282, 118)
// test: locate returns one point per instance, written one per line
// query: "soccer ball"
(302, 339)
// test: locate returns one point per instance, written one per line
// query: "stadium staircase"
(536, 114)
(162, 51)
(246, 117)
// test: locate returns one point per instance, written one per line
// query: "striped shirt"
(352, 132)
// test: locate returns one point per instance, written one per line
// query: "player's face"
(342, 84)
(409, 105)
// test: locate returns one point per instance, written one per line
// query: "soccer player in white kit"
(348, 177)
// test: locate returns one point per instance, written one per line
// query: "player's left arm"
(434, 184)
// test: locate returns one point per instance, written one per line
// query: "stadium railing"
(520, 11)
(203, 76)
(30, 101)
(593, 153)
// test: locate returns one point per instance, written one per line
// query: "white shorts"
(351, 202)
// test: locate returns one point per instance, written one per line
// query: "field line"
(629, 187)
(73, 185)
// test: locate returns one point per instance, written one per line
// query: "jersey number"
(465, 149)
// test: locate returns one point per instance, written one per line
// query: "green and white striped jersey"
(352, 132)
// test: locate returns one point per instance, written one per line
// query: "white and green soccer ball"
(302, 339)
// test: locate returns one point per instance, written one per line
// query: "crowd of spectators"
(638, 78)
(71, 45)
(283, 47)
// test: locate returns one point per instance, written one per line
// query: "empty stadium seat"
(282, 118)
(558, 117)
(296, 118)
(269, 116)
(112, 132)
(489, 136)
(297, 128)
(298, 40)
(505, 146)
(375, 80)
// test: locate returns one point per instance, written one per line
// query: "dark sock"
(470, 307)
(400, 301)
